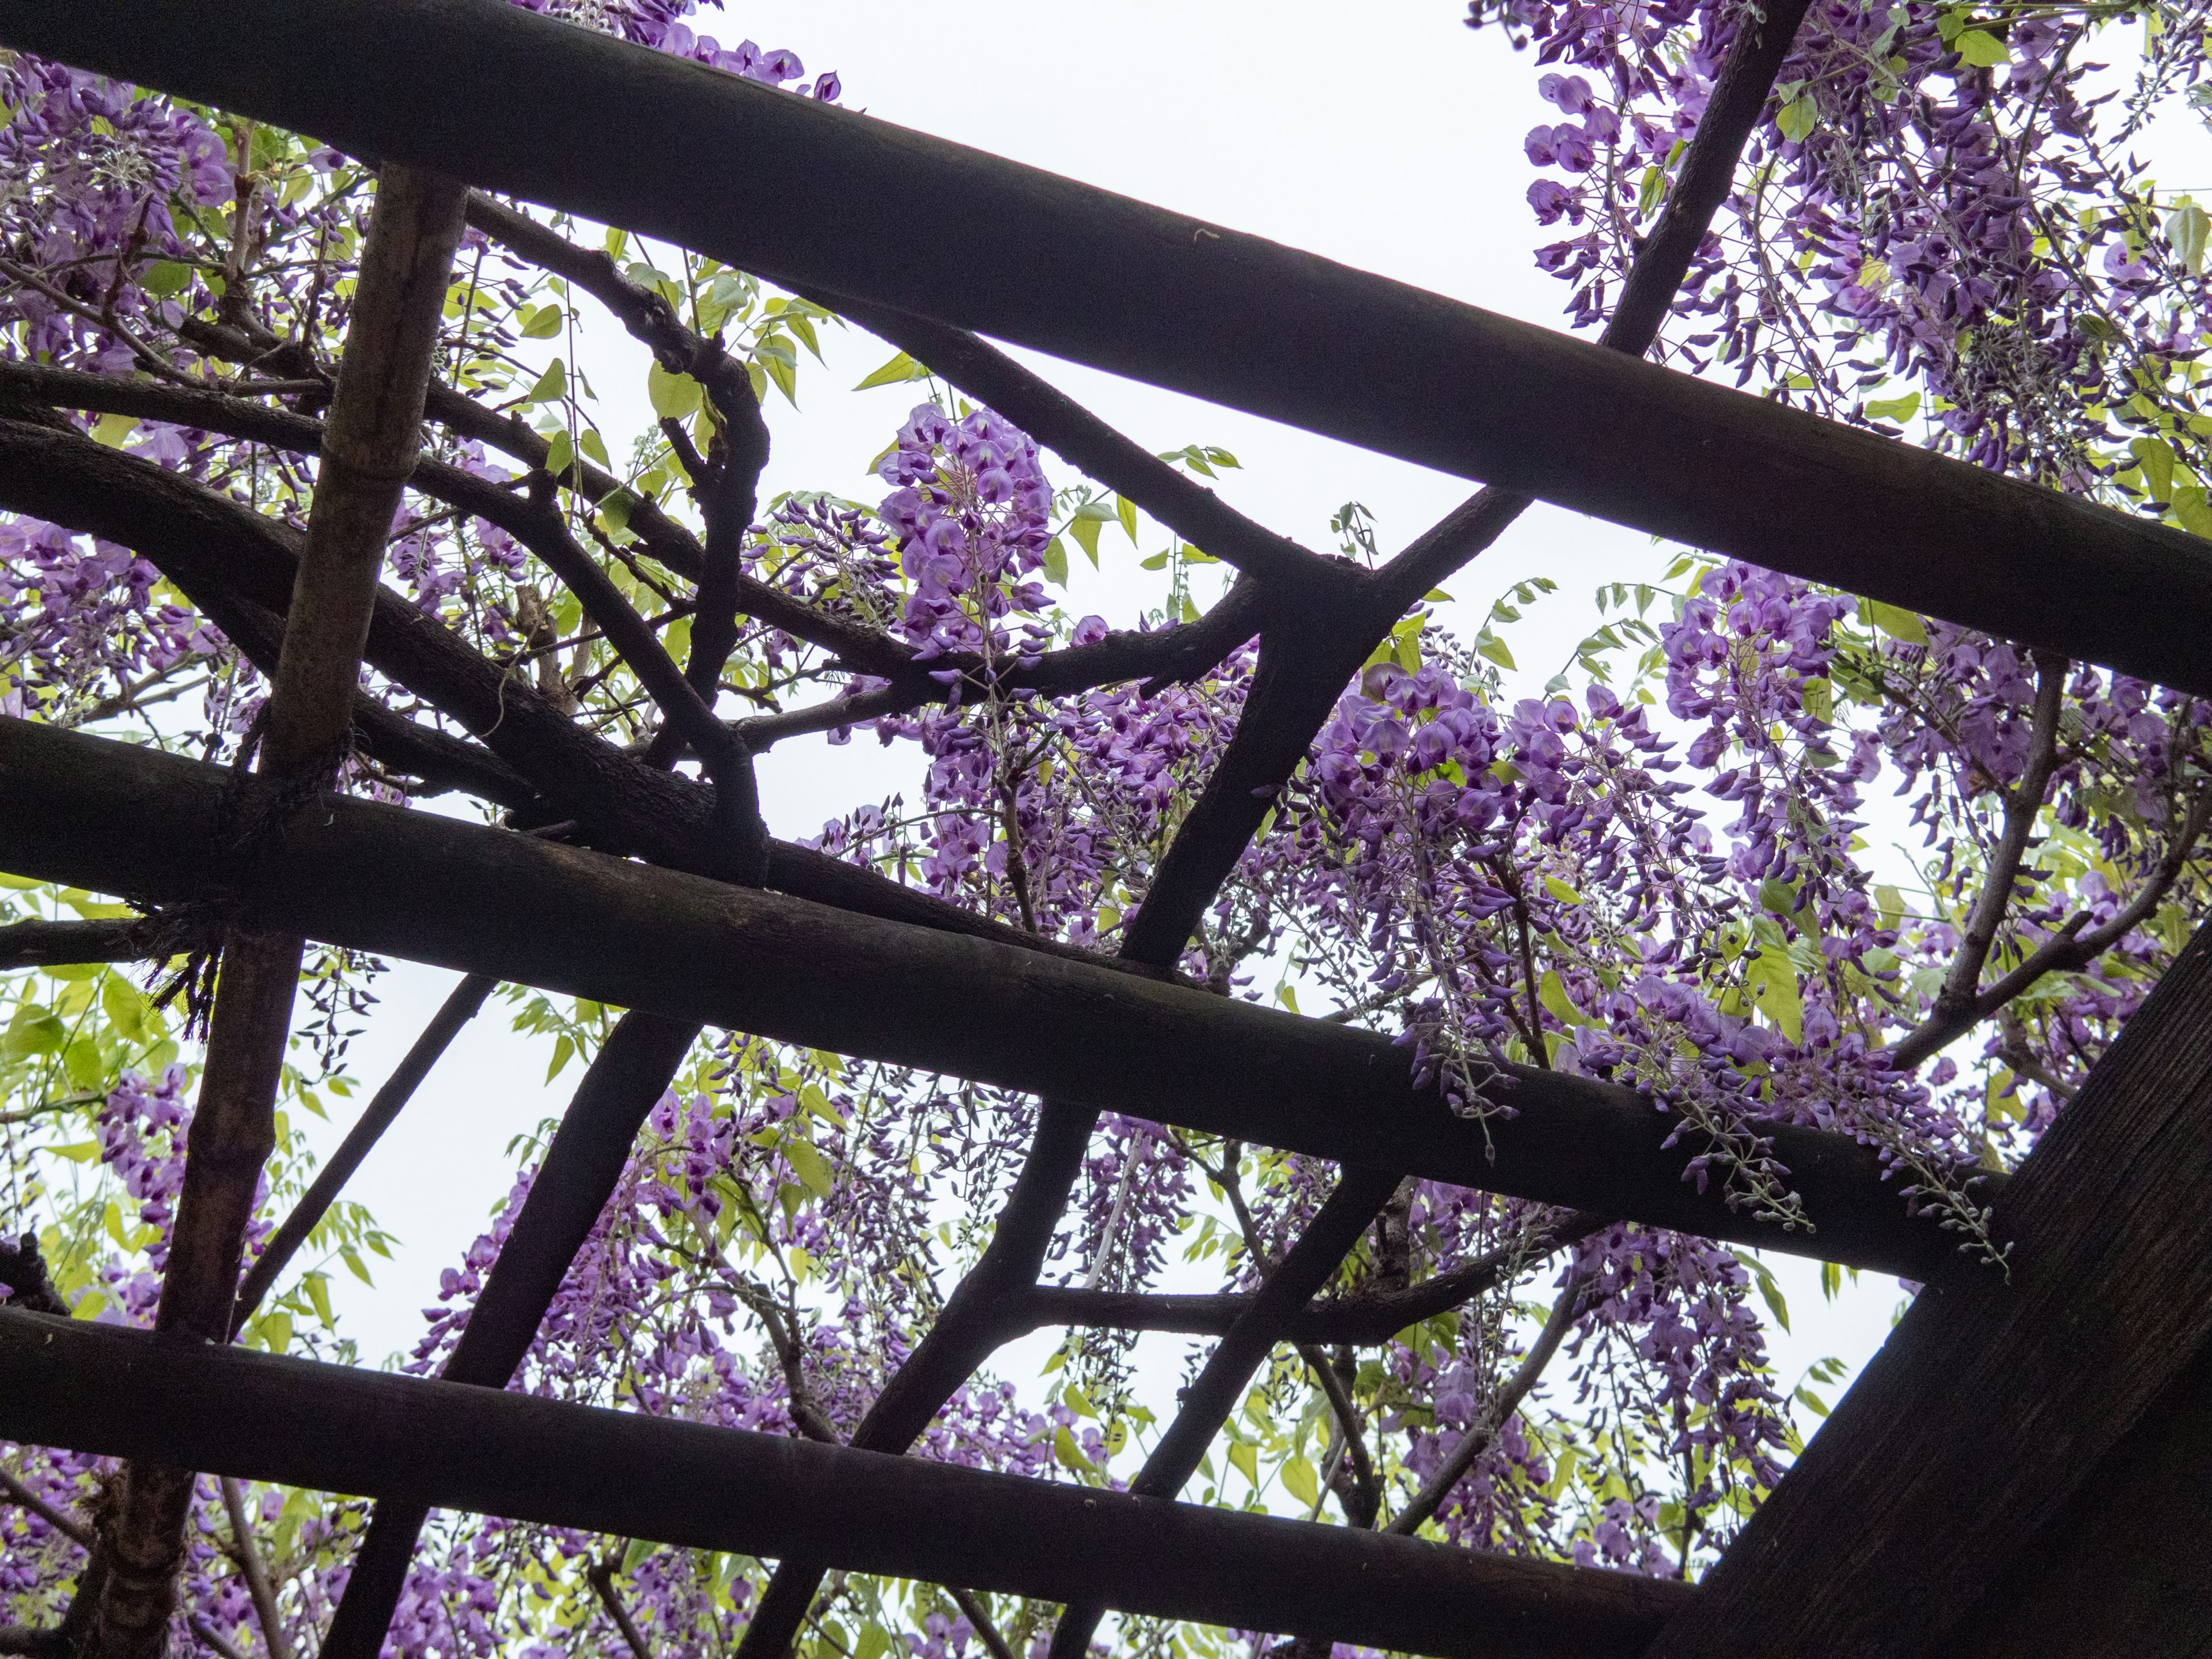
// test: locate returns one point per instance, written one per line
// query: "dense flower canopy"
(1679, 867)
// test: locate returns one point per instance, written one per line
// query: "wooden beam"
(119, 819)
(2125, 1568)
(822, 198)
(119, 1392)
(1996, 1398)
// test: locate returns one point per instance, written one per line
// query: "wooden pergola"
(2025, 1466)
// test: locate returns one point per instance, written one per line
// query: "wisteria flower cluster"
(1765, 854)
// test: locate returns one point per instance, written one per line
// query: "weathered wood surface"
(2125, 1568)
(118, 819)
(98, 1389)
(822, 198)
(1995, 1402)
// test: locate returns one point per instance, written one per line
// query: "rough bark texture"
(625, 1474)
(369, 448)
(114, 819)
(833, 200)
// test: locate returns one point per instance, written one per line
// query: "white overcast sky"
(1384, 135)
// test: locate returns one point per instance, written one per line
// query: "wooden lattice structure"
(2023, 1468)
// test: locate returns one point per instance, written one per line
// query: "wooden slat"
(114, 819)
(120, 1393)
(820, 198)
(1995, 1402)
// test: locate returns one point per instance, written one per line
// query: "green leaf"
(83, 1065)
(2191, 510)
(873, 1642)
(1068, 1455)
(559, 455)
(1798, 118)
(2156, 457)
(1055, 562)
(1244, 1456)
(1553, 994)
(165, 278)
(33, 1032)
(1157, 561)
(1086, 532)
(1894, 409)
(125, 1007)
(552, 385)
(1897, 623)
(563, 1051)
(901, 368)
(114, 429)
(1126, 510)
(545, 323)
(1559, 890)
(1494, 648)
(318, 1288)
(1300, 1480)
(2186, 227)
(674, 396)
(810, 1166)
(1982, 49)
(1773, 980)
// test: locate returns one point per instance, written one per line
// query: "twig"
(1477, 1439)
(250, 1562)
(601, 1574)
(383, 1108)
(972, 1606)
(68, 1525)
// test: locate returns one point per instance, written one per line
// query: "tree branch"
(383, 1108)
(1058, 422)
(370, 445)
(1364, 1321)
(2074, 946)
(133, 938)
(1207, 1403)
(601, 1574)
(581, 1168)
(60, 1520)
(1477, 1439)
(273, 1634)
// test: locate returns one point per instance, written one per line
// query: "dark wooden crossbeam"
(119, 1393)
(820, 198)
(1996, 1401)
(115, 818)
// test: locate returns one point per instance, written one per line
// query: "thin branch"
(2023, 804)
(2074, 946)
(133, 938)
(60, 1520)
(383, 1108)
(273, 1634)
(1363, 1320)
(1477, 1439)
(601, 1574)
(1195, 512)
(1208, 1402)
(979, 1616)
(206, 1633)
